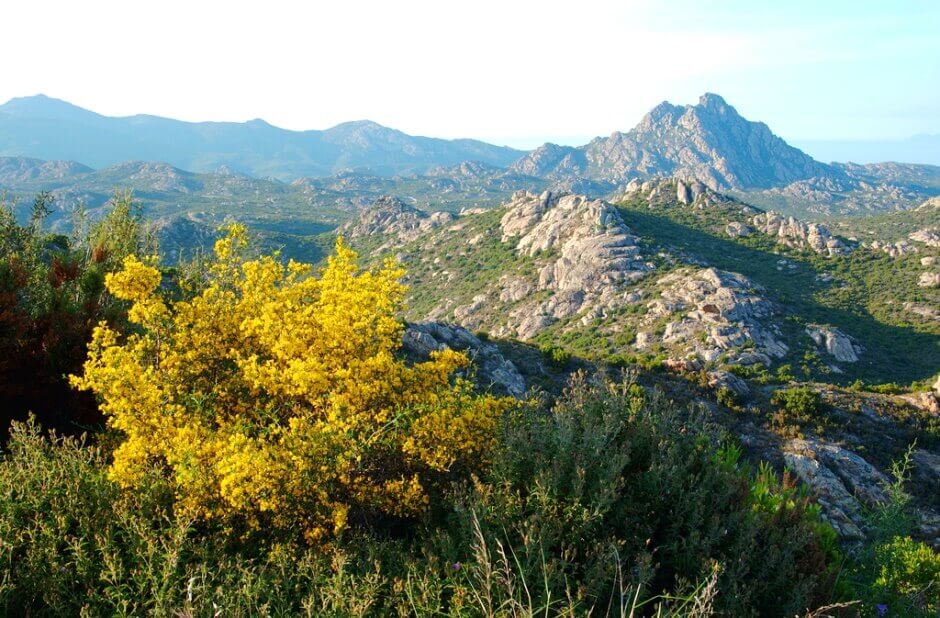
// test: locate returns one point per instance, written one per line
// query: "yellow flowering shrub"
(276, 396)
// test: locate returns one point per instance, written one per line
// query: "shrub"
(558, 357)
(611, 492)
(801, 403)
(72, 543)
(275, 398)
(611, 503)
(908, 576)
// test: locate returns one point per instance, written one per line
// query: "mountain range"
(55, 146)
(47, 128)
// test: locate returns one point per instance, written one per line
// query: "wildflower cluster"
(277, 396)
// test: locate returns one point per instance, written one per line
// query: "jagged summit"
(708, 141)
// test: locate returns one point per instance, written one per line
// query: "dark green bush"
(800, 403)
(607, 493)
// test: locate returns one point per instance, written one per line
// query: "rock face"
(928, 236)
(894, 249)
(663, 191)
(712, 312)
(795, 233)
(929, 280)
(710, 142)
(588, 254)
(552, 161)
(843, 482)
(736, 229)
(835, 343)
(390, 216)
(493, 371)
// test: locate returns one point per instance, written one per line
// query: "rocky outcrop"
(24, 169)
(736, 229)
(688, 192)
(894, 249)
(792, 232)
(584, 251)
(726, 380)
(492, 370)
(835, 343)
(929, 280)
(662, 191)
(552, 161)
(390, 216)
(842, 481)
(928, 236)
(712, 312)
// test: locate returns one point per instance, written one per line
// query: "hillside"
(671, 270)
(707, 298)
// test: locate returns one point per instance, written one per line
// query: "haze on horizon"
(516, 73)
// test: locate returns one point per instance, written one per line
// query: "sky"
(510, 71)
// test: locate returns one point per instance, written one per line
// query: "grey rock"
(717, 311)
(493, 370)
(391, 217)
(709, 141)
(736, 229)
(835, 343)
(929, 280)
(792, 232)
(726, 379)
(585, 251)
(928, 236)
(842, 481)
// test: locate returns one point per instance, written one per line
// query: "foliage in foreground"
(605, 503)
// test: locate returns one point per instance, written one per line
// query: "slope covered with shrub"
(268, 451)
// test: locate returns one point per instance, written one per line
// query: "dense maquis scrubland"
(240, 434)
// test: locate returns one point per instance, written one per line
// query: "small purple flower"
(456, 566)
(882, 609)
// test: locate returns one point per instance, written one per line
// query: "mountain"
(709, 141)
(47, 128)
(670, 269)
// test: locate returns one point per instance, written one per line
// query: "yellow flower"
(278, 397)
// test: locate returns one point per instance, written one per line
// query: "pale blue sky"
(517, 72)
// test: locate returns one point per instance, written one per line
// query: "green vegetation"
(863, 298)
(802, 402)
(51, 296)
(601, 503)
(607, 499)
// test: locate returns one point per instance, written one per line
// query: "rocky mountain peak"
(709, 142)
(714, 103)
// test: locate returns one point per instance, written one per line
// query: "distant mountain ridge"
(707, 142)
(46, 128)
